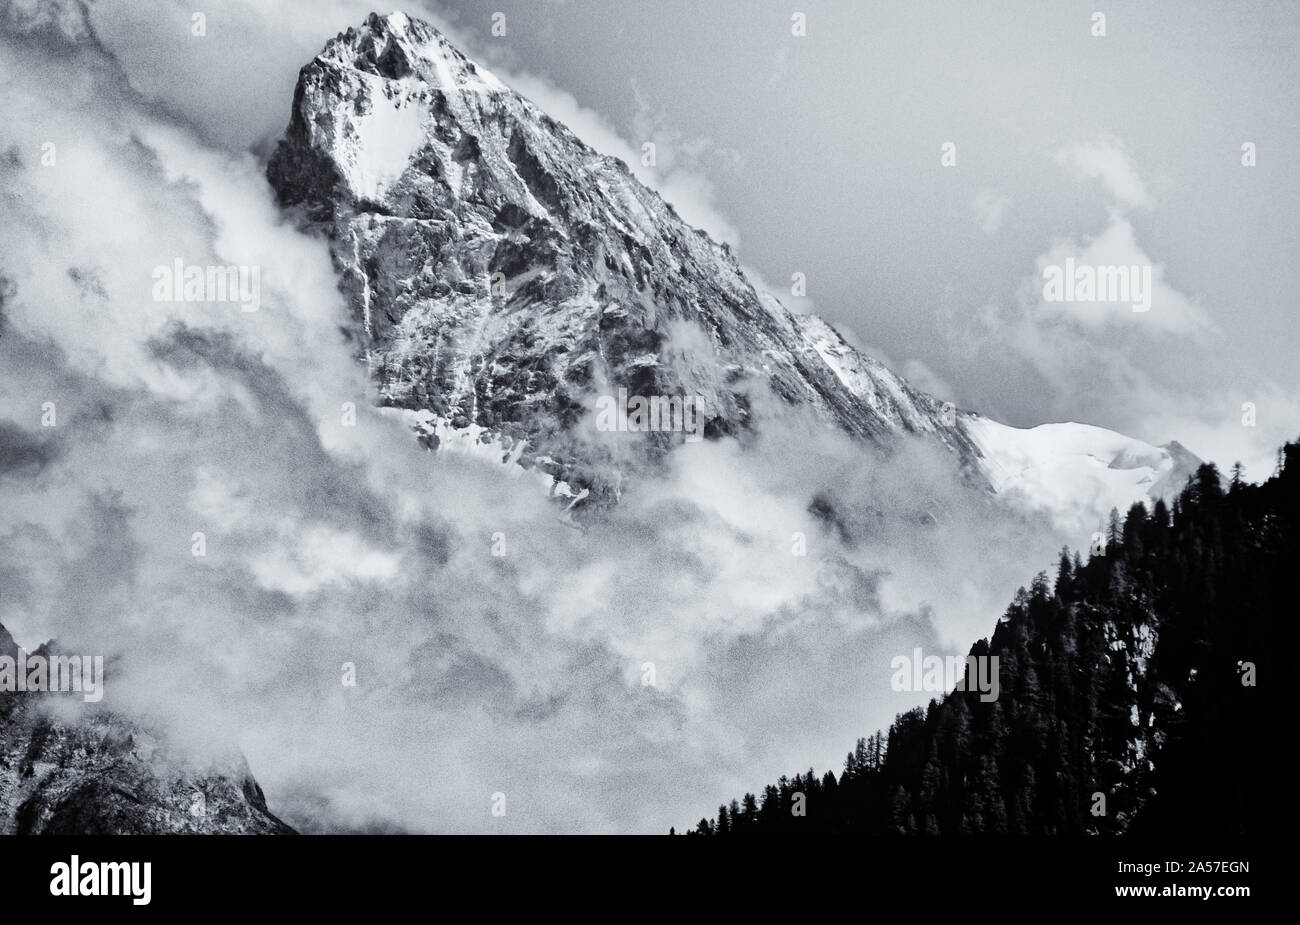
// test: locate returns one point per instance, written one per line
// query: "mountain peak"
(395, 46)
(505, 276)
(396, 21)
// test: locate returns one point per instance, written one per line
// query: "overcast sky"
(821, 154)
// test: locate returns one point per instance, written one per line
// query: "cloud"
(1106, 159)
(24, 451)
(1216, 425)
(926, 379)
(990, 209)
(1158, 374)
(1166, 309)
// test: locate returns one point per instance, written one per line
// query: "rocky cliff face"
(68, 772)
(503, 275)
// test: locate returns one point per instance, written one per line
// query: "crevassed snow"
(1075, 471)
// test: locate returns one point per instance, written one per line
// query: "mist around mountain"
(725, 609)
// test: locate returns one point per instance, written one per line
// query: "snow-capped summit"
(1077, 472)
(504, 274)
(504, 277)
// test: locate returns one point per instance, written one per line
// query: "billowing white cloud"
(1156, 374)
(1105, 159)
(1140, 295)
(1145, 362)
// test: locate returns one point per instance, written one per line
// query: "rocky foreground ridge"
(69, 768)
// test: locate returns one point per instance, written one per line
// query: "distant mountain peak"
(1078, 472)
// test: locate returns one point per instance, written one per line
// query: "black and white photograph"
(436, 431)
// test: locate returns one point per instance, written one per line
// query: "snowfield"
(1077, 472)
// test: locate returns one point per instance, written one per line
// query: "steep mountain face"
(504, 275)
(95, 773)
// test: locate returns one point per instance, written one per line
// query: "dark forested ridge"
(1129, 698)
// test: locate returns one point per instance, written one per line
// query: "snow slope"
(1077, 472)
